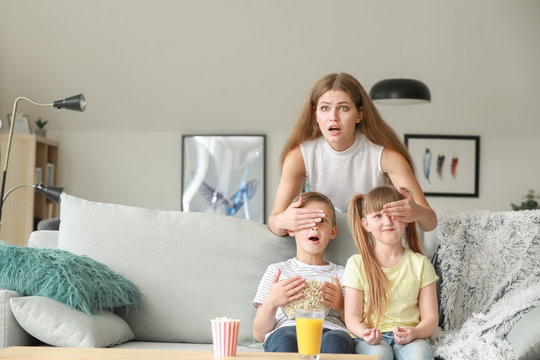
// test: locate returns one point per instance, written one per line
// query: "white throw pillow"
(57, 324)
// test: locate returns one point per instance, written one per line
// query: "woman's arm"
(287, 216)
(415, 206)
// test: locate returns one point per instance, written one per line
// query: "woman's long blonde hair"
(372, 125)
(378, 286)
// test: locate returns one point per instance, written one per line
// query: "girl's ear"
(365, 224)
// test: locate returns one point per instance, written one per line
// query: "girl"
(344, 147)
(390, 294)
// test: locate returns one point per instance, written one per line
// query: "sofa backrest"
(190, 267)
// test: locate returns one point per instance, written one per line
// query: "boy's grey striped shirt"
(293, 267)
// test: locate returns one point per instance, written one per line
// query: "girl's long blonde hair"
(378, 286)
(372, 125)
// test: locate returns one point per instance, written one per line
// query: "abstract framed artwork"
(446, 165)
(224, 174)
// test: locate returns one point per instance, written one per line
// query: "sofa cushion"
(77, 281)
(190, 267)
(57, 324)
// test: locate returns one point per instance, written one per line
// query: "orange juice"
(308, 333)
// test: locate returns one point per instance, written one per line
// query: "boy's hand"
(332, 295)
(403, 336)
(286, 291)
(371, 336)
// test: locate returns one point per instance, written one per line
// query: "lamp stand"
(76, 102)
(8, 147)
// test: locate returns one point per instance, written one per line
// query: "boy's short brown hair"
(310, 196)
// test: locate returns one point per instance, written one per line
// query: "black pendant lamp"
(400, 92)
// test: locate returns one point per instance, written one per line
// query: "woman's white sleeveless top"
(340, 175)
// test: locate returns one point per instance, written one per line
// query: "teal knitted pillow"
(77, 281)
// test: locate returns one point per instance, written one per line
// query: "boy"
(283, 283)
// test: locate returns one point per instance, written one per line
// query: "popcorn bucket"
(225, 336)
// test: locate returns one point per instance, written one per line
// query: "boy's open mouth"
(314, 238)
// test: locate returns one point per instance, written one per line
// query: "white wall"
(154, 70)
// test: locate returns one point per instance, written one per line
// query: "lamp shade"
(400, 91)
(51, 192)
(77, 102)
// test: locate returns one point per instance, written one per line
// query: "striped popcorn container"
(225, 336)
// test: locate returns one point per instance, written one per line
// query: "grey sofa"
(190, 268)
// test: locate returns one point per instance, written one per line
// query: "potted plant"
(41, 127)
(530, 202)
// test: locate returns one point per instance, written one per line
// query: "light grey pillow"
(57, 324)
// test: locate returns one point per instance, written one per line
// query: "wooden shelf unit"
(24, 207)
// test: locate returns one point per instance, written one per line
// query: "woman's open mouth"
(334, 130)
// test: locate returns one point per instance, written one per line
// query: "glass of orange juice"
(309, 324)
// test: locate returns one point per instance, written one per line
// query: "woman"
(344, 147)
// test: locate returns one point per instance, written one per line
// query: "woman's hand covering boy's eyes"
(296, 218)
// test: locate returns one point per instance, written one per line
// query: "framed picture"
(22, 124)
(224, 174)
(446, 165)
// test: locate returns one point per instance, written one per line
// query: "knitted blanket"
(490, 271)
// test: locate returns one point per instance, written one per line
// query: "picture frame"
(22, 124)
(446, 165)
(224, 174)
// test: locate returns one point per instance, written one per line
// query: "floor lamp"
(76, 102)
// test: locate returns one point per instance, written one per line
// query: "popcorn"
(311, 299)
(224, 319)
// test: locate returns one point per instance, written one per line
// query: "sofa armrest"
(525, 336)
(44, 239)
(11, 333)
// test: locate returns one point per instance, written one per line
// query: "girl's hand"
(406, 210)
(295, 218)
(332, 294)
(371, 336)
(403, 336)
(283, 292)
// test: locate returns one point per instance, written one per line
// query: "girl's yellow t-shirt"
(413, 272)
